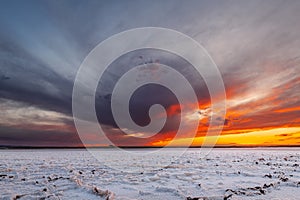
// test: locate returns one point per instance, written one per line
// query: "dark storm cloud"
(33, 82)
(146, 96)
(43, 44)
(23, 137)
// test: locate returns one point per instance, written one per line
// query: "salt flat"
(260, 173)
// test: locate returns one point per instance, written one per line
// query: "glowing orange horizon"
(289, 136)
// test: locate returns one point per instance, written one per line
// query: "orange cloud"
(254, 118)
(293, 109)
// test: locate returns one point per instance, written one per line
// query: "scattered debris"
(268, 175)
(104, 193)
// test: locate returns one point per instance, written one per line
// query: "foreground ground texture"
(272, 173)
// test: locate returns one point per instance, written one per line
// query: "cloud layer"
(42, 44)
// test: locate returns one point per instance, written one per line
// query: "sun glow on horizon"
(272, 137)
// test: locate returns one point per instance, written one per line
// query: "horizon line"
(141, 147)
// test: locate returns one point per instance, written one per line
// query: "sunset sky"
(255, 44)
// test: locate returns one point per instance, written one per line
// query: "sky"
(255, 45)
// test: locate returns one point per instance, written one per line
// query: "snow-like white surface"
(272, 173)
